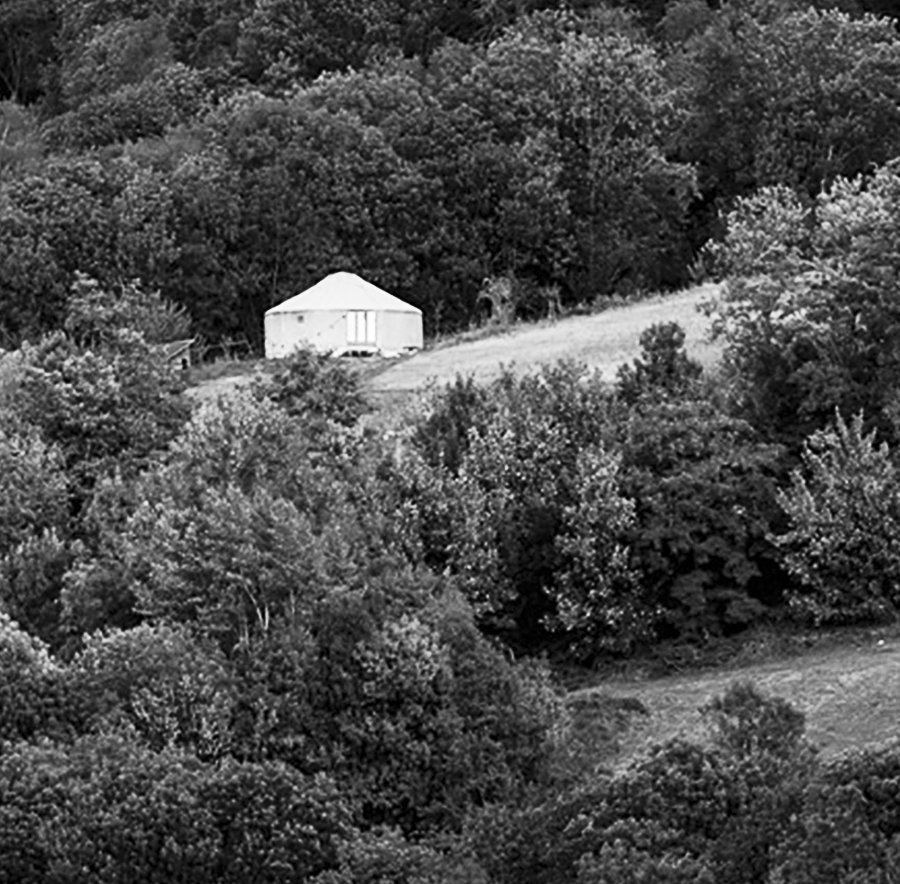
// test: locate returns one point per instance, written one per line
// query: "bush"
(100, 811)
(809, 313)
(229, 563)
(274, 824)
(663, 368)
(316, 387)
(747, 723)
(31, 580)
(843, 545)
(591, 523)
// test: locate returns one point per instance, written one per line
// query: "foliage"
(678, 812)
(31, 574)
(841, 545)
(102, 394)
(704, 488)
(663, 368)
(36, 699)
(793, 99)
(232, 563)
(608, 522)
(33, 493)
(160, 685)
(812, 326)
(96, 315)
(441, 434)
(533, 519)
(314, 387)
(596, 590)
(747, 723)
(385, 856)
(104, 809)
(418, 716)
(833, 841)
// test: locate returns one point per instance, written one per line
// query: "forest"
(283, 637)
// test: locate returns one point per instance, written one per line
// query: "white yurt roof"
(343, 291)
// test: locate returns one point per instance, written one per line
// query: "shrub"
(316, 387)
(747, 723)
(31, 579)
(875, 774)
(662, 370)
(621, 863)
(576, 520)
(809, 315)
(33, 492)
(442, 434)
(843, 545)
(104, 810)
(597, 594)
(230, 563)
(508, 520)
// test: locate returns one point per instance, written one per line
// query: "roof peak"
(343, 290)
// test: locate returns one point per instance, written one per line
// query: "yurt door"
(361, 326)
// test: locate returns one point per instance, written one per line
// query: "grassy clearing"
(847, 683)
(602, 341)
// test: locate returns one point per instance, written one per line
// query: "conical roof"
(343, 291)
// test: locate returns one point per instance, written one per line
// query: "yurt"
(343, 314)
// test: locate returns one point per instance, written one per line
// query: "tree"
(102, 393)
(844, 510)
(796, 98)
(27, 31)
(615, 113)
(809, 318)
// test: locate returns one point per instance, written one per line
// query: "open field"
(849, 693)
(603, 341)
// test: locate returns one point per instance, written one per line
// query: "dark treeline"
(230, 154)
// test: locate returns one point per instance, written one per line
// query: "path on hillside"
(603, 341)
(850, 695)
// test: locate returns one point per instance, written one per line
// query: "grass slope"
(603, 341)
(849, 690)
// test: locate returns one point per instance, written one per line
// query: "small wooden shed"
(343, 314)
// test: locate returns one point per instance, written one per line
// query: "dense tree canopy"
(230, 155)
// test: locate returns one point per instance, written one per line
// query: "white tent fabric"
(343, 313)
